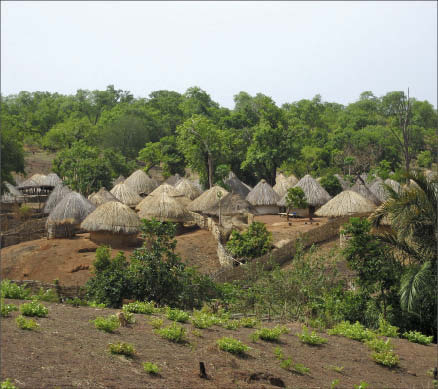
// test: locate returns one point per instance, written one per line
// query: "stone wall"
(29, 230)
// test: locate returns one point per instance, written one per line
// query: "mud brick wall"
(29, 230)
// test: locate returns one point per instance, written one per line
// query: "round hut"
(126, 195)
(113, 223)
(101, 197)
(173, 180)
(52, 179)
(169, 190)
(232, 209)
(346, 203)
(344, 183)
(237, 186)
(364, 191)
(119, 180)
(140, 183)
(67, 216)
(206, 199)
(264, 198)
(188, 189)
(378, 189)
(283, 183)
(396, 187)
(55, 197)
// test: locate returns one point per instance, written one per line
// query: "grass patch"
(269, 334)
(26, 324)
(7, 384)
(145, 308)
(10, 290)
(354, 331)
(34, 308)
(417, 337)
(337, 369)
(107, 324)
(76, 302)
(203, 320)
(175, 333)
(177, 315)
(156, 323)
(248, 322)
(122, 349)
(48, 295)
(230, 324)
(232, 346)
(311, 338)
(151, 368)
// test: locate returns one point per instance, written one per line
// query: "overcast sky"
(286, 50)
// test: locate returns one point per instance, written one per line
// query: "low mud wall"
(28, 230)
(62, 291)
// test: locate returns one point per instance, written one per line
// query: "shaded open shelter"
(346, 203)
(264, 198)
(113, 223)
(140, 183)
(126, 195)
(188, 188)
(173, 180)
(101, 197)
(55, 197)
(207, 199)
(364, 191)
(67, 216)
(237, 186)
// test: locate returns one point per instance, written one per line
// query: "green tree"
(252, 243)
(12, 157)
(331, 184)
(295, 199)
(424, 159)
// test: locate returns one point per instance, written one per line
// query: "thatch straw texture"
(378, 189)
(52, 179)
(140, 182)
(114, 217)
(346, 203)
(315, 194)
(72, 209)
(364, 191)
(164, 208)
(188, 188)
(263, 194)
(207, 199)
(173, 180)
(102, 197)
(126, 195)
(237, 186)
(31, 182)
(55, 197)
(396, 187)
(12, 190)
(231, 204)
(344, 183)
(119, 180)
(11, 194)
(282, 185)
(292, 179)
(166, 188)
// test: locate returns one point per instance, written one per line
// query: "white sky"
(286, 50)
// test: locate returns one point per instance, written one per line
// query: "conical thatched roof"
(52, 179)
(263, 194)
(393, 184)
(166, 188)
(126, 195)
(35, 180)
(12, 190)
(346, 203)
(11, 194)
(140, 182)
(364, 191)
(237, 186)
(173, 180)
(72, 209)
(55, 197)
(188, 188)
(119, 180)
(112, 216)
(344, 183)
(164, 208)
(315, 194)
(378, 189)
(283, 183)
(206, 199)
(102, 197)
(231, 204)
(292, 179)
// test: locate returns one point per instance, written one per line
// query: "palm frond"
(412, 285)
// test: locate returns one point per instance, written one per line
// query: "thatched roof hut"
(11, 194)
(237, 186)
(166, 188)
(55, 197)
(52, 179)
(102, 197)
(119, 180)
(112, 223)
(396, 187)
(315, 194)
(126, 195)
(378, 189)
(264, 198)
(140, 183)
(292, 179)
(68, 215)
(164, 208)
(346, 203)
(34, 181)
(364, 191)
(206, 199)
(344, 183)
(283, 183)
(188, 188)
(173, 180)
(231, 204)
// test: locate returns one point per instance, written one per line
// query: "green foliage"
(34, 308)
(151, 368)
(334, 384)
(122, 349)
(177, 315)
(286, 363)
(6, 309)
(175, 333)
(337, 369)
(311, 338)
(331, 184)
(7, 384)
(424, 159)
(146, 307)
(232, 346)
(386, 329)
(48, 295)
(252, 243)
(386, 358)
(12, 155)
(203, 320)
(301, 369)
(379, 345)
(156, 323)
(268, 334)
(11, 290)
(362, 385)
(417, 337)
(230, 324)
(26, 324)
(296, 198)
(354, 331)
(76, 302)
(248, 322)
(107, 324)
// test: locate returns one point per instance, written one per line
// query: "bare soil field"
(68, 352)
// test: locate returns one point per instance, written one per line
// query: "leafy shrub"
(417, 337)
(252, 243)
(122, 349)
(151, 368)
(156, 323)
(354, 331)
(248, 322)
(129, 317)
(286, 364)
(48, 295)
(386, 358)
(232, 346)
(203, 319)
(26, 324)
(311, 338)
(278, 353)
(362, 385)
(6, 309)
(300, 368)
(146, 308)
(268, 334)
(34, 308)
(76, 302)
(94, 304)
(378, 345)
(177, 315)
(230, 324)
(386, 329)
(196, 333)
(107, 324)
(13, 291)
(7, 384)
(331, 184)
(174, 333)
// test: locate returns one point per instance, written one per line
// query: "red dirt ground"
(67, 351)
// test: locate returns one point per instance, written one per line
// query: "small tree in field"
(295, 199)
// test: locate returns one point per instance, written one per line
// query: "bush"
(301, 369)
(230, 324)
(354, 331)
(286, 364)
(311, 338)
(76, 302)
(151, 368)
(48, 295)
(232, 346)
(6, 309)
(386, 358)
(248, 322)
(252, 243)
(203, 320)
(34, 308)
(417, 337)
(386, 329)
(177, 315)
(156, 323)
(331, 184)
(379, 345)
(174, 333)
(268, 334)
(26, 324)
(7, 384)
(107, 324)
(146, 308)
(122, 349)
(10, 290)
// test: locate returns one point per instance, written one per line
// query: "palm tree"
(413, 238)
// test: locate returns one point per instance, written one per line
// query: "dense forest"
(101, 134)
